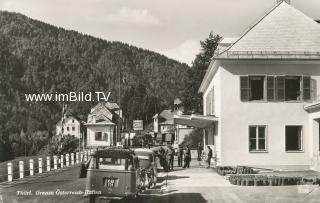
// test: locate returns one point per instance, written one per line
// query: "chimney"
(280, 1)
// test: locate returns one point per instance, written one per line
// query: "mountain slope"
(36, 57)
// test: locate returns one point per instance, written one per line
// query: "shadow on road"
(171, 177)
(166, 198)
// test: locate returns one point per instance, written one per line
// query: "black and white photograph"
(149, 101)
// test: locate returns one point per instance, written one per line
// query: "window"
(256, 88)
(252, 88)
(257, 138)
(113, 163)
(72, 120)
(105, 137)
(271, 85)
(293, 138)
(98, 136)
(292, 88)
(276, 88)
(67, 128)
(73, 128)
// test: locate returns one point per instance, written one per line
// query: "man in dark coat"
(180, 156)
(209, 156)
(170, 156)
(187, 158)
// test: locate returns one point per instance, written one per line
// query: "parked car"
(113, 173)
(148, 165)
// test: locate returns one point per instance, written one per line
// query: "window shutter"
(280, 88)
(244, 88)
(270, 88)
(313, 91)
(306, 84)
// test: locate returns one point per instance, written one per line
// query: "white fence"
(36, 166)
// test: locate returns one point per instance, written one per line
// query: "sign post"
(137, 125)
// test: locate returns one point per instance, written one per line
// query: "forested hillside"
(36, 57)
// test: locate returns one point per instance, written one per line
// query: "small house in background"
(165, 130)
(71, 126)
(102, 124)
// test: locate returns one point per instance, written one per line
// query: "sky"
(171, 27)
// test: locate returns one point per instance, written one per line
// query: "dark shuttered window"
(280, 88)
(270, 88)
(244, 88)
(306, 84)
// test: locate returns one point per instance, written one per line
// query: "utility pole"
(64, 106)
(119, 101)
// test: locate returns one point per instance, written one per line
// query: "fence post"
(48, 163)
(31, 167)
(21, 169)
(61, 161)
(55, 164)
(72, 158)
(40, 164)
(77, 157)
(9, 172)
(81, 156)
(67, 160)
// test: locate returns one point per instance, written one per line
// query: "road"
(194, 185)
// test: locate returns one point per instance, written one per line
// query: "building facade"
(102, 125)
(262, 91)
(71, 126)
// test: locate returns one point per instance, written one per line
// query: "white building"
(100, 126)
(71, 126)
(260, 95)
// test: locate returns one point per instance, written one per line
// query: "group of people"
(184, 155)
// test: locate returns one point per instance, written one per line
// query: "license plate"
(111, 182)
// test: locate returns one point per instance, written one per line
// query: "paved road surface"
(194, 185)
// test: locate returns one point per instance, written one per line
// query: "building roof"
(110, 106)
(69, 115)
(99, 120)
(283, 33)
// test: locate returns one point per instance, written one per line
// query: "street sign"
(137, 124)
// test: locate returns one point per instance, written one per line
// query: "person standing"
(180, 155)
(199, 150)
(209, 156)
(170, 156)
(187, 157)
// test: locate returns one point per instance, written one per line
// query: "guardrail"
(37, 165)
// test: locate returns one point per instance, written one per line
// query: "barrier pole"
(21, 169)
(40, 164)
(31, 167)
(67, 160)
(77, 157)
(48, 163)
(72, 158)
(61, 161)
(9, 172)
(55, 162)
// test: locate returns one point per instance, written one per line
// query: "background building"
(102, 125)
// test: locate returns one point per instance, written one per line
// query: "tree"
(194, 138)
(191, 99)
